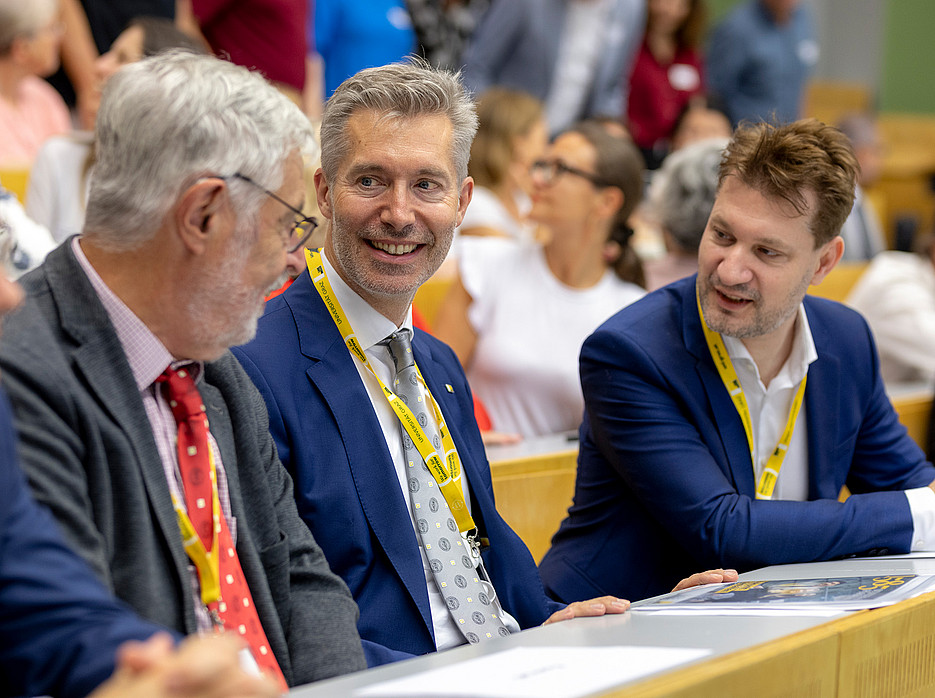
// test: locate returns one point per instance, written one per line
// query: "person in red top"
(667, 73)
(264, 35)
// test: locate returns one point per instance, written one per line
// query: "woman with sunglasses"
(518, 312)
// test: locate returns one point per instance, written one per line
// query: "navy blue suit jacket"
(59, 627)
(329, 438)
(665, 483)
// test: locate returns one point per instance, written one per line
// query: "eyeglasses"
(301, 230)
(548, 170)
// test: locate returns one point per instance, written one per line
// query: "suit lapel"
(100, 360)
(824, 379)
(727, 422)
(333, 372)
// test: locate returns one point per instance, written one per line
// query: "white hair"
(173, 118)
(683, 190)
(23, 18)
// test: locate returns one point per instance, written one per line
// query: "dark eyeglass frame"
(554, 168)
(306, 225)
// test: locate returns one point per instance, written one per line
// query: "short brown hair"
(787, 160)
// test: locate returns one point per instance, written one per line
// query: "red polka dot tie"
(234, 609)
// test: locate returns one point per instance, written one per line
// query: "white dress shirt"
(769, 410)
(370, 327)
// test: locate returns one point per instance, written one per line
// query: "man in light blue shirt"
(759, 59)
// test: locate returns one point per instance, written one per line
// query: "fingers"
(499, 438)
(708, 577)
(135, 657)
(593, 607)
(203, 667)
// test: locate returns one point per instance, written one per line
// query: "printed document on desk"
(537, 672)
(828, 593)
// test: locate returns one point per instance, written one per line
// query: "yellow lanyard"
(447, 470)
(725, 368)
(207, 563)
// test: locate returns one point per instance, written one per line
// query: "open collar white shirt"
(769, 410)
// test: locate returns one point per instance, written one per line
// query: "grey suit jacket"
(516, 45)
(89, 453)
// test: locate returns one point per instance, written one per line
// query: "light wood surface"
(839, 281)
(908, 165)
(533, 487)
(534, 482)
(914, 409)
(430, 295)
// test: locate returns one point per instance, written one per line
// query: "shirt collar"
(146, 354)
(369, 325)
(796, 366)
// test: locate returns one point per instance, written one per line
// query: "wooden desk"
(534, 482)
(908, 164)
(913, 404)
(839, 281)
(883, 652)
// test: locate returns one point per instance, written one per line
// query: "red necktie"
(235, 607)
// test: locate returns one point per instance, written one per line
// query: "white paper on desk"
(538, 672)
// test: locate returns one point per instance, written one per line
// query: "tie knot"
(400, 346)
(180, 391)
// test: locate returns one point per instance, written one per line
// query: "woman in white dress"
(517, 314)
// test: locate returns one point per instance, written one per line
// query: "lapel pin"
(449, 388)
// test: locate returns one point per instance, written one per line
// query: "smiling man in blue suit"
(725, 412)
(394, 184)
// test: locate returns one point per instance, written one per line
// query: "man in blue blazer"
(670, 475)
(394, 184)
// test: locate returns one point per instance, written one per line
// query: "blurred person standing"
(574, 55)
(759, 60)
(443, 27)
(668, 72)
(350, 36)
(264, 35)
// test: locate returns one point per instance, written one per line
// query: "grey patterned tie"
(459, 571)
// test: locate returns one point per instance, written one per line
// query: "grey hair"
(684, 189)
(399, 90)
(171, 119)
(23, 18)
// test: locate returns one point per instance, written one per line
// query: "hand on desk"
(592, 607)
(499, 438)
(707, 577)
(201, 667)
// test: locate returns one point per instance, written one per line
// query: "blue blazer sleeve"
(664, 480)
(59, 628)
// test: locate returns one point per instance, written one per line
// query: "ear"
(199, 214)
(322, 191)
(610, 201)
(828, 257)
(464, 198)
